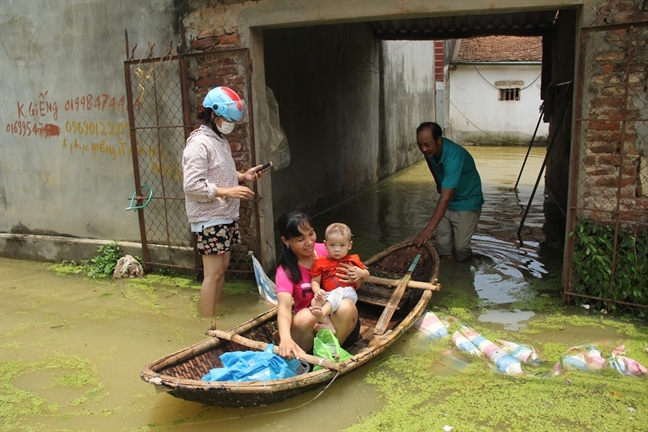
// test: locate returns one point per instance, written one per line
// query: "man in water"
(457, 212)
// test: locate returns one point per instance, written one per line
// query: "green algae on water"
(540, 296)
(422, 392)
(458, 304)
(19, 405)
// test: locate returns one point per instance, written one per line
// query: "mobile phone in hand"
(264, 168)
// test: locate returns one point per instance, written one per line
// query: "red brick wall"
(226, 63)
(438, 61)
(614, 142)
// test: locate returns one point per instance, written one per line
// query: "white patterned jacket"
(207, 164)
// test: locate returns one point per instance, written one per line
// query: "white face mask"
(225, 127)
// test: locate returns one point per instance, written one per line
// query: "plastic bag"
(278, 142)
(327, 346)
(267, 288)
(521, 352)
(465, 345)
(253, 366)
(584, 357)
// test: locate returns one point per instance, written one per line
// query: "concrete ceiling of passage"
(531, 23)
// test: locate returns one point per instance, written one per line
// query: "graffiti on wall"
(40, 119)
(66, 122)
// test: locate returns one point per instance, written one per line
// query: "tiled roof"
(500, 49)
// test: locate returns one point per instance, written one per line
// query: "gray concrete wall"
(65, 157)
(409, 98)
(327, 86)
(65, 167)
(327, 82)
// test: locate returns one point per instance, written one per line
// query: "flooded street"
(71, 349)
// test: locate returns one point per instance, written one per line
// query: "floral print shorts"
(218, 239)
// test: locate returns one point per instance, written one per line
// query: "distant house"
(493, 90)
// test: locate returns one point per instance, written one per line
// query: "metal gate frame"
(604, 210)
(158, 135)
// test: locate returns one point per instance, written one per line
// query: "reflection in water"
(117, 327)
(510, 319)
(397, 209)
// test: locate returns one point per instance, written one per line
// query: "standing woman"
(213, 189)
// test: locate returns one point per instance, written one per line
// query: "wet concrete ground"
(71, 349)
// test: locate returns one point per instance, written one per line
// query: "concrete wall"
(65, 164)
(409, 99)
(327, 82)
(327, 92)
(478, 117)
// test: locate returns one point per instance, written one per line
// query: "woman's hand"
(351, 274)
(251, 174)
(239, 192)
(289, 349)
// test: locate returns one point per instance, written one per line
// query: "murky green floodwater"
(71, 349)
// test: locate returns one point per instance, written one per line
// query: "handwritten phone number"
(26, 128)
(97, 102)
(96, 127)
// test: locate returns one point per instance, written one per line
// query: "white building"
(493, 91)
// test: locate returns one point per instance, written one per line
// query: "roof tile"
(500, 49)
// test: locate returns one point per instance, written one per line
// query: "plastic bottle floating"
(521, 352)
(463, 344)
(625, 365)
(431, 326)
(584, 357)
(503, 361)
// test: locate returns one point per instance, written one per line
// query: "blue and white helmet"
(226, 103)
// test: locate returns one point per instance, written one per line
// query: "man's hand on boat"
(424, 236)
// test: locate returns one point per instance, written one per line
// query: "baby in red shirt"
(329, 291)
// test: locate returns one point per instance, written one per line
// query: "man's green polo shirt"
(456, 170)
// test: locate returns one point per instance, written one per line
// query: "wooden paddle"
(410, 284)
(383, 321)
(261, 346)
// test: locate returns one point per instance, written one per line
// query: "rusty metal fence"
(606, 266)
(163, 95)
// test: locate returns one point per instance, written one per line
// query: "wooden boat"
(180, 373)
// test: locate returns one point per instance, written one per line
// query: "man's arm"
(436, 181)
(440, 209)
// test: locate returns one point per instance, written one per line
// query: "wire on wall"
(495, 87)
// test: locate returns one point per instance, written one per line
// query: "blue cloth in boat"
(253, 366)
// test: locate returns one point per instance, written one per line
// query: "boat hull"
(180, 373)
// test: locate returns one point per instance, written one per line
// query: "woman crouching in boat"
(293, 279)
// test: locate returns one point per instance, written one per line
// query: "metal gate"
(606, 265)
(163, 96)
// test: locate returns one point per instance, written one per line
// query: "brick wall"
(212, 30)
(614, 136)
(605, 260)
(438, 61)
